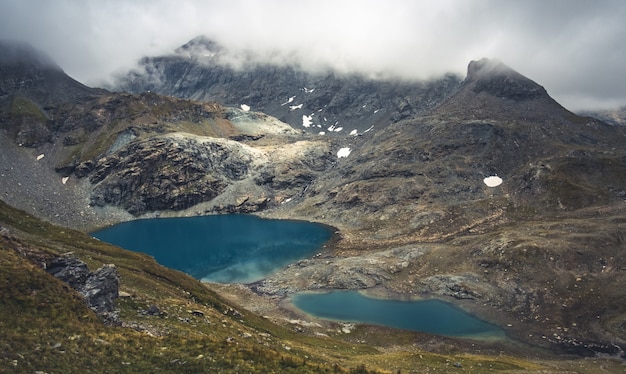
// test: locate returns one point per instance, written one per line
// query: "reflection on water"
(230, 248)
(431, 316)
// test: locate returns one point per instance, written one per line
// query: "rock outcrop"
(99, 288)
(168, 173)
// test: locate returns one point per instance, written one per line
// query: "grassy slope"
(46, 327)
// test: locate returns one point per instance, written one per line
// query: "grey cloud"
(574, 48)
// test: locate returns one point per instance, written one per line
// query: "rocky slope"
(323, 102)
(417, 218)
(414, 215)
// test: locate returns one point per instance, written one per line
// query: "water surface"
(231, 248)
(431, 316)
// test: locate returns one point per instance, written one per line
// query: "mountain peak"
(493, 90)
(497, 79)
(23, 54)
(486, 66)
(200, 45)
(33, 74)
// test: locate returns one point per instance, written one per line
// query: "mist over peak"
(496, 78)
(200, 46)
(486, 66)
(22, 53)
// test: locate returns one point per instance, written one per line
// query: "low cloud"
(573, 48)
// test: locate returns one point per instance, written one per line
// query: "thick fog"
(575, 49)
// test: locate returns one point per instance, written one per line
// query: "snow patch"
(290, 100)
(40, 157)
(370, 129)
(307, 120)
(354, 132)
(308, 90)
(245, 108)
(335, 128)
(493, 181)
(322, 133)
(64, 179)
(343, 152)
(294, 107)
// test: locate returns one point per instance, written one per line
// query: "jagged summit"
(496, 78)
(493, 90)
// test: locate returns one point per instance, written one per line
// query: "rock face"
(168, 173)
(328, 102)
(99, 289)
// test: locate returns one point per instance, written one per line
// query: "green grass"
(21, 106)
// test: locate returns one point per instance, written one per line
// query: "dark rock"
(84, 168)
(99, 289)
(70, 270)
(65, 170)
(102, 289)
(153, 310)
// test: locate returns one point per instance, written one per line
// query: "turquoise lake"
(430, 316)
(232, 248)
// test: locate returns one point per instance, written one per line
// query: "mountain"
(413, 208)
(328, 102)
(542, 254)
(27, 72)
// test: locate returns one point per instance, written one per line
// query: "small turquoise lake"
(430, 316)
(232, 248)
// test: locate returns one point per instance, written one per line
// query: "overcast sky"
(575, 49)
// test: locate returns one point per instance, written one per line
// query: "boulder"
(99, 289)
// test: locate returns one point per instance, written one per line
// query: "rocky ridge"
(321, 102)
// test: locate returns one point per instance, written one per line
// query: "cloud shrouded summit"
(574, 48)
